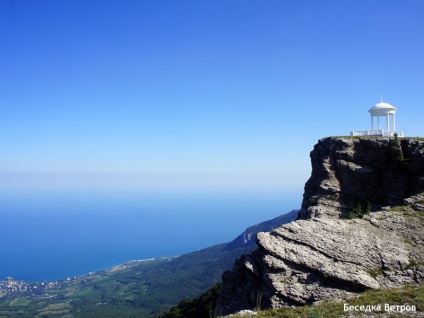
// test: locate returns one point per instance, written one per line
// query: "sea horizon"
(54, 235)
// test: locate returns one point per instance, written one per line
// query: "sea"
(55, 235)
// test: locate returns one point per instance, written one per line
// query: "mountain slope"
(134, 289)
(248, 237)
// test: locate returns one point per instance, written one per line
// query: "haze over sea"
(58, 234)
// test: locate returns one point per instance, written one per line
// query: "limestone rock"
(351, 171)
(310, 260)
(322, 256)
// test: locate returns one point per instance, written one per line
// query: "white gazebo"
(386, 111)
(383, 109)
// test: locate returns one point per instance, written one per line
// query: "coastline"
(9, 286)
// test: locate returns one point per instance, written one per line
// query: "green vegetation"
(259, 301)
(140, 290)
(414, 263)
(359, 211)
(202, 307)
(19, 302)
(60, 309)
(409, 214)
(398, 157)
(374, 273)
(412, 295)
(137, 288)
(396, 149)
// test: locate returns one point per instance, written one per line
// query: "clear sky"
(218, 93)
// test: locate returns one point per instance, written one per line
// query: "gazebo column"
(394, 122)
(387, 111)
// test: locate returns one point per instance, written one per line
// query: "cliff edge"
(378, 184)
(351, 171)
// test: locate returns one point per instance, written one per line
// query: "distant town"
(11, 287)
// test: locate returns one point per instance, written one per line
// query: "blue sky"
(189, 94)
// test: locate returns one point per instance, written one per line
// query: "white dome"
(381, 109)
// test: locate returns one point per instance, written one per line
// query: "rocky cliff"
(351, 171)
(323, 255)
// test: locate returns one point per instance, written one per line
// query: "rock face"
(351, 171)
(323, 256)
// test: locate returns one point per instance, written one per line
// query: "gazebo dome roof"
(382, 108)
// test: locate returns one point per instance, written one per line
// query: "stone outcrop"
(351, 171)
(322, 256)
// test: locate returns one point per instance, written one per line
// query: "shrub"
(359, 211)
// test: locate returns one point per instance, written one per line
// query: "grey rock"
(322, 256)
(351, 171)
(307, 261)
(419, 207)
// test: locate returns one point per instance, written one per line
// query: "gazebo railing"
(375, 132)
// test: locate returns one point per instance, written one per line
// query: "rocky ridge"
(248, 237)
(322, 255)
